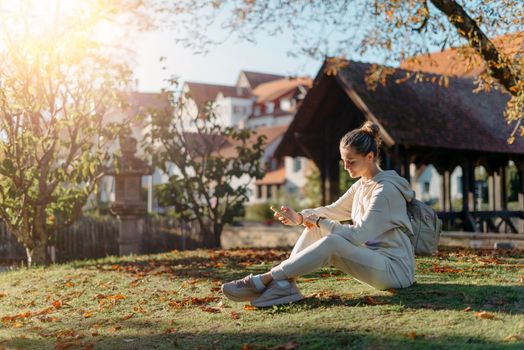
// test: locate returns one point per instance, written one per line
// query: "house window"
(257, 111)
(285, 105)
(270, 107)
(236, 109)
(259, 191)
(269, 190)
(297, 165)
(426, 187)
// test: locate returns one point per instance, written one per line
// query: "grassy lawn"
(463, 299)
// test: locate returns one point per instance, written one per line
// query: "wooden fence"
(92, 238)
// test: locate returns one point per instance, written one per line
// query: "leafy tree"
(56, 85)
(209, 168)
(391, 30)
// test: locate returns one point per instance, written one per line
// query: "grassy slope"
(173, 300)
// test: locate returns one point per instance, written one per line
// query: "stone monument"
(129, 206)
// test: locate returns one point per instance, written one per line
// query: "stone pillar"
(129, 207)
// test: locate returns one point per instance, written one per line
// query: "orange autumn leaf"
(412, 335)
(170, 331)
(286, 346)
(308, 280)
(249, 307)
(484, 315)
(372, 301)
(57, 304)
(467, 309)
(127, 317)
(513, 337)
(88, 314)
(213, 310)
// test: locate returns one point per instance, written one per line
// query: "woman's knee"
(332, 242)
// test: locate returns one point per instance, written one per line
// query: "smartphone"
(283, 214)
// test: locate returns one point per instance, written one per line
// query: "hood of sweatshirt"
(398, 181)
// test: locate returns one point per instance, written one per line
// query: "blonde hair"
(363, 140)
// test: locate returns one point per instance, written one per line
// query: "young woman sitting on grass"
(374, 249)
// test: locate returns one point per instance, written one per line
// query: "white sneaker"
(275, 294)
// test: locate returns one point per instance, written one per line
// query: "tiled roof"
(275, 177)
(272, 133)
(421, 114)
(202, 93)
(451, 62)
(256, 78)
(272, 90)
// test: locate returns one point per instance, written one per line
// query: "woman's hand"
(296, 217)
(310, 221)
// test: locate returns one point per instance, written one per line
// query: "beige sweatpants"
(313, 250)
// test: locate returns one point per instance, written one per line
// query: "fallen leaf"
(209, 309)
(170, 331)
(57, 304)
(127, 317)
(412, 335)
(305, 280)
(372, 301)
(513, 337)
(234, 315)
(88, 314)
(287, 346)
(484, 315)
(249, 307)
(467, 309)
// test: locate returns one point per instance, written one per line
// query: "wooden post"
(491, 191)
(503, 187)
(332, 179)
(446, 191)
(468, 196)
(521, 194)
(405, 166)
(497, 190)
(323, 177)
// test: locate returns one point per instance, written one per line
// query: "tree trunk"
(37, 255)
(217, 233)
(499, 68)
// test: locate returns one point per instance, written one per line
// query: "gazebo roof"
(410, 113)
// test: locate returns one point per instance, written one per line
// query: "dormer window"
(270, 106)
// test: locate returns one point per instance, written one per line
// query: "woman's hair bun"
(370, 128)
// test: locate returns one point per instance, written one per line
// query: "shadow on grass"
(434, 296)
(341, 338)
(222, 265)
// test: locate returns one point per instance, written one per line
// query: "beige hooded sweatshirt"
(378, 210)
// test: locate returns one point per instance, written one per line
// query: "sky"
(220, 66)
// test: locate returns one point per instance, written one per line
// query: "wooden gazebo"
(421, 123)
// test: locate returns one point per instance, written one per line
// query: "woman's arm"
(338, 210)
(375, 221)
